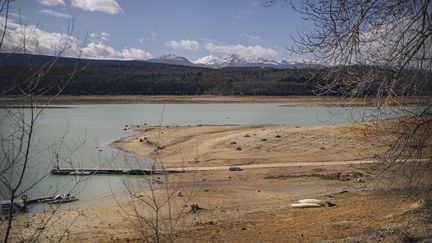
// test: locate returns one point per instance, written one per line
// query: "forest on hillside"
(110, 77)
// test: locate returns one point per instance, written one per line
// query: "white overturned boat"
(308, 203)
(305, 205)
(316, 201)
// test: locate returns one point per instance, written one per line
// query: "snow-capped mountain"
(234, 60)
(228, 60)
(172, 60)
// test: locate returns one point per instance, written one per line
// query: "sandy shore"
(253, 204)
(250, 205)
(240, 145)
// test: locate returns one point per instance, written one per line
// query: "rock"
(199, 223)
(238, 148)
(233, 142)
(141, 140)
(264, 139)
(330, 204)
(233, 168)
(179, 194)
(247, 135)
(278, 136)
(195, 208)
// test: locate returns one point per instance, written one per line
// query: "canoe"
(305, 205)
(317, 201)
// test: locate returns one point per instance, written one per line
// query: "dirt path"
(274, 165)
(282, 165)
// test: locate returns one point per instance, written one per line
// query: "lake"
(85, 131)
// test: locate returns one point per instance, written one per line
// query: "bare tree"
(155, 203)
(17, 141)
(380, 49)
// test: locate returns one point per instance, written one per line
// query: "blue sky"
(141, 29)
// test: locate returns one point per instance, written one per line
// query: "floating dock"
(89, 171)
(21, 204)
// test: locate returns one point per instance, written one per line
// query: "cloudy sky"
(142, 29)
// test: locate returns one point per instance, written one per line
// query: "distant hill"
(172, 60)
(115, 77)
(17, 59)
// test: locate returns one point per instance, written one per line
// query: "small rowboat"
(63, 200)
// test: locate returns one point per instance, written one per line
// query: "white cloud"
(104, 36)
(37, 41)
(55, 13)
(249, 37)
(257, 50)
(106, 6)
(51, 3)
(183, 44)
(99, 50)
(42, 42)
(135, 54)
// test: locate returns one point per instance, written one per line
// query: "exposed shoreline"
(254, 204)
(221, 145)
(304, 101)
